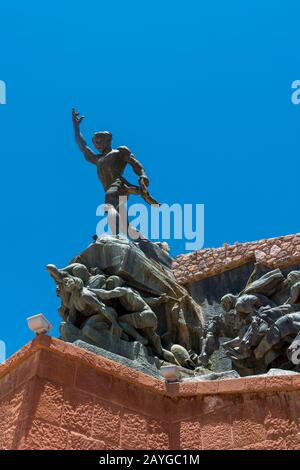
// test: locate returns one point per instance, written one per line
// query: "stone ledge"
(18, 368)
(54, 395)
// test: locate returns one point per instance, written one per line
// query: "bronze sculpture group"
(114, 291)
(268, 309)
(90, 303)
(111, 164)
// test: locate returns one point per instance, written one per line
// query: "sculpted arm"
(155, 301)
(89, 155)
(137, 168)
(109, 294)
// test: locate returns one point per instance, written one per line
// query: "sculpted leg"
(91, 331)
(210, 345)
(146, 322)
(155, 342)
(117, 216)
(140, 320)
(144, 193)
(112, 315)
(69, 332)
(131, 331)
(107, 313)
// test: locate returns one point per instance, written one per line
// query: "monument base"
(55, 395)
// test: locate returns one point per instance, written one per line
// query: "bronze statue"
(210, 340)
(111, 164)
(285, 328)
(82, 299)
(266, 326)
(88, 305)
(119, 285)
(293, 279)
(139, 314)
(257, 293)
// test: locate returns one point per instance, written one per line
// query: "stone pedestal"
(55, 395)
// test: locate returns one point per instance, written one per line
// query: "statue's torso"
(111, 166)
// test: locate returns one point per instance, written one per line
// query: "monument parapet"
(55, 395)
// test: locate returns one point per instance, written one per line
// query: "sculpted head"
(293, 277)
(81, 271)
(228, 302)
(102, 141)
(114, 281)
(71, 283)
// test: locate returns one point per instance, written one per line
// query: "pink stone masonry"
(278, 252)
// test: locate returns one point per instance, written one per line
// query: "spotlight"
(39, 324)
(170, 373)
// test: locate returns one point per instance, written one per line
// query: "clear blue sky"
(200, 91)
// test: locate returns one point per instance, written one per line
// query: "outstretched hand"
(77, 119)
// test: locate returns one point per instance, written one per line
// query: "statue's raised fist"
(76, 117)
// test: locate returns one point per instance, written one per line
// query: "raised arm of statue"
(89, 155)
(252, 276)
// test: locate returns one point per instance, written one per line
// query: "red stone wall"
(278, 252)
(54, 395)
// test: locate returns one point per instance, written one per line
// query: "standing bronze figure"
(111, 164)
